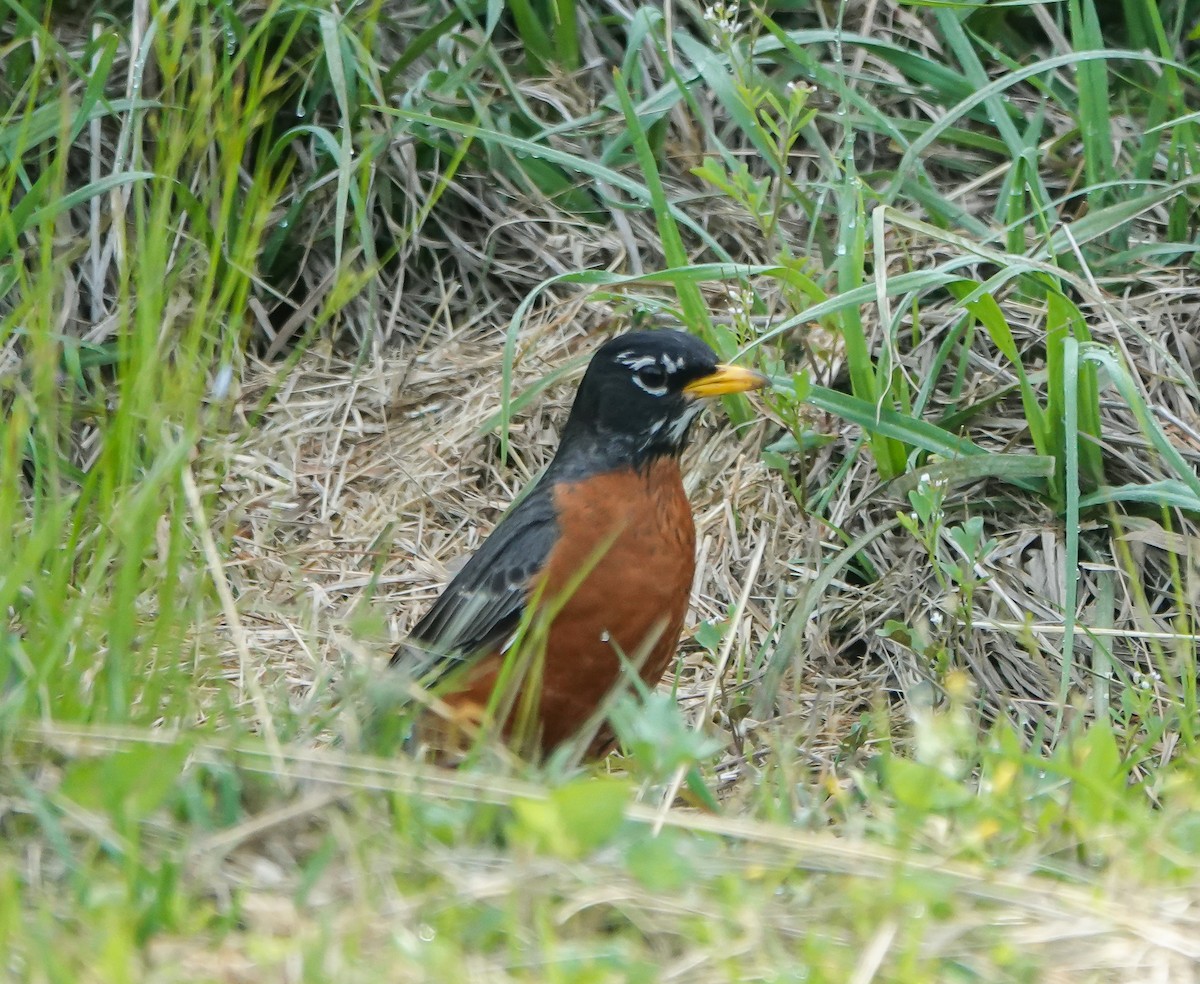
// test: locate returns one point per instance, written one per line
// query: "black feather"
(483, 604)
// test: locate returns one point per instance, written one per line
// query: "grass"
(269, 271)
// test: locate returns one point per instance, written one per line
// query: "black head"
(641, 393)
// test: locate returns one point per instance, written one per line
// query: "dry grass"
(363, 484)
(874, 823)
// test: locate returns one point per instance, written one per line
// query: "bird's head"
(643, 390)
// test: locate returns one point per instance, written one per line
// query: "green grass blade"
(1095, 112)
(988, 92)
(1070, 474)
(695, 311)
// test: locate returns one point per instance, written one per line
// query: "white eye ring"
(652, 378)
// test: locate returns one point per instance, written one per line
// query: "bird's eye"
(653, 378)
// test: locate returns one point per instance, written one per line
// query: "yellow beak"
(726, 379)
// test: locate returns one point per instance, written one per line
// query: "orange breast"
(617, 582)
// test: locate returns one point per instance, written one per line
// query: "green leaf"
(709, 634)
(988, 313)
(922, 787)
(1095, 113)
(654, 732)
(1014, 468)
(1102, 356)
(714, 69)
(129, 784)
(660, 863)
(1166, 492)
(575, 819)
(1100, 780)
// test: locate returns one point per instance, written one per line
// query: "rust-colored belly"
(617, 583)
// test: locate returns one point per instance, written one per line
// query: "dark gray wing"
(483, 604)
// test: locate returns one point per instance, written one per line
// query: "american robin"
(601, 549)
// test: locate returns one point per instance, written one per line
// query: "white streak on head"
(678, 429)
(672, 365)
(635, 362)
(653, 431)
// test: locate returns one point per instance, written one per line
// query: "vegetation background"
(292, 297)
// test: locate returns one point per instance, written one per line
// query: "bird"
(594, 563)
